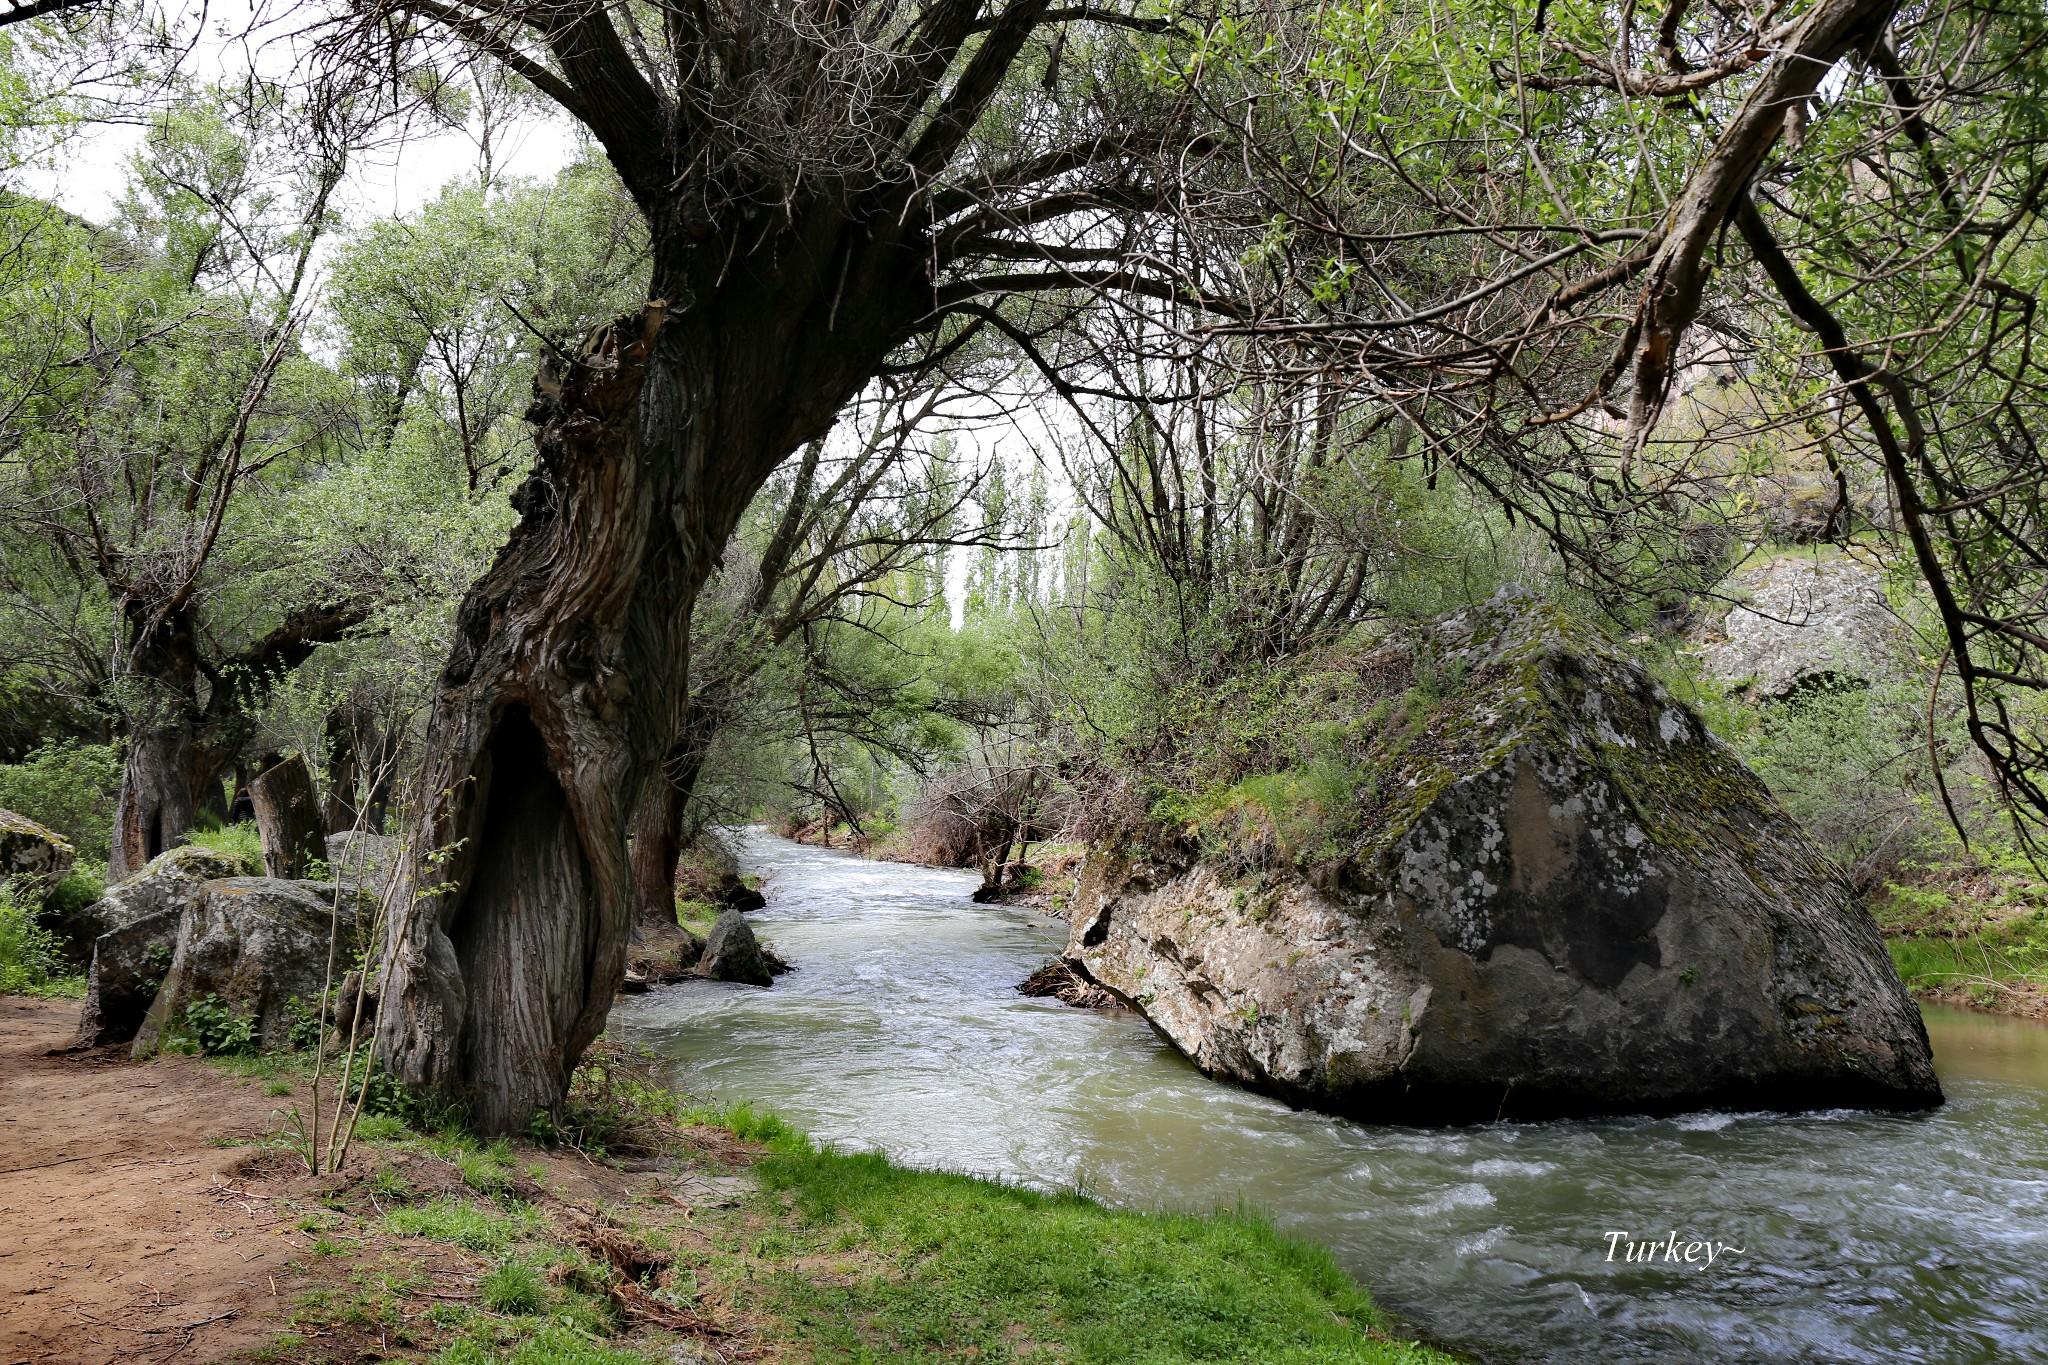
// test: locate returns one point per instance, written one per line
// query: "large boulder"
(129, 935)
(129, 964)
(732, 953)
(167, 882)
(31, 856)
(258, 946)
(1800, 621)
(1557, 894)
(363, 861)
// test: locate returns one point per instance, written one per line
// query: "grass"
(466, 1223)
(238, 840)
(697, 916)
(1971, 931)
(514, 1287)
(818, 1256)
(928, 1266)
(549, 1346)
(1998, 965)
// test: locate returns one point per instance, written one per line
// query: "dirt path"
(123, 1234)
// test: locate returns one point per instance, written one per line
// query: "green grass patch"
(934, 1266)
(490, 1229)
(238, 841)
(553, 1345)
(1978, 966)
(514, 1287)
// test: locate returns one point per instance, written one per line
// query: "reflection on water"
(1865, 1237)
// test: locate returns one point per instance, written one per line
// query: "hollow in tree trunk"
(154, 809)
(568, 680)
(560, 695)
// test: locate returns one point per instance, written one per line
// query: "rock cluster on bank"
(191, 926)
(1560, 895)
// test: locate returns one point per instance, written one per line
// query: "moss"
(1333, 759)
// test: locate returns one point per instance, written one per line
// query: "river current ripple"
(1865, 1237)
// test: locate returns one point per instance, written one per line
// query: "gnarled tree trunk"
(568, 682)
(658, 831)
(155, 807)
(504, 963)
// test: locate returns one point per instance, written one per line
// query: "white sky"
(87, 172)
(87, 175)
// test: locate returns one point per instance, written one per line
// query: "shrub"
(31, 958)
(71, 789)
(1851, 765)
(213, 1026)
(238, 841)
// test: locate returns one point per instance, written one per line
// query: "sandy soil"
(124, 1234)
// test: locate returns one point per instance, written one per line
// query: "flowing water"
(1863, 1237)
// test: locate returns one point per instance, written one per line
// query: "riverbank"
(662, 1233)
(1972, 934)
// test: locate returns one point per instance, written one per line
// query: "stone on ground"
(32, 857)
(167, 882)
(130, 934)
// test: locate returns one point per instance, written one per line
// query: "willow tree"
(159, 412)
(831, 189)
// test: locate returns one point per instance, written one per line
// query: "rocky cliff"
(1556, 894)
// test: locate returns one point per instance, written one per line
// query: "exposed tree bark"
(569, 678)
(154, 809)
(658, 831)
(288, 818)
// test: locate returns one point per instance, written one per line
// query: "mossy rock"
(1553, 892)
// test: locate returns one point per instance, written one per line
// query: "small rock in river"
(732, 953)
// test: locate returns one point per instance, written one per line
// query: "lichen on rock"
(32, 857)
(1550, 890)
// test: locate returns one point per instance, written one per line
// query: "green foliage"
(303, 1025)
(1841, 760)
(70, 788)
(487, 1170)
(553, 1345)
(242, 841)
(85, 883)
(214, 1027)
(31, 958)
(488, 1229)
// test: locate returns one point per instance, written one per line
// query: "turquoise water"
(1863, 1237)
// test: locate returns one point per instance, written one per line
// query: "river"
(1863, 1237)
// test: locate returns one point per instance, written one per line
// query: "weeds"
(514, 1287)
(213, 1027)
(31, 958)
